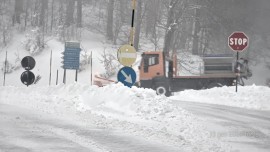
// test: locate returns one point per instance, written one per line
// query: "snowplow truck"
(160, 73)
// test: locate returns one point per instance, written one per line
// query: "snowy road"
(246, 130)
(79, 117)
(22, 130)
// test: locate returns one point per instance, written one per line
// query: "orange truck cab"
(155, 72)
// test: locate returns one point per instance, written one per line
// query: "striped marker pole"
(132, 23)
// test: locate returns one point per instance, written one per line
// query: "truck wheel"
(162, 90)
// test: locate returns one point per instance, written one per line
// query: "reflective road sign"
(126, 55)
(28, 63)
(71, 55)
(27, 78)
(238, 41)
(127, 76)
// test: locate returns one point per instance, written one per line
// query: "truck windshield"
(151, 59)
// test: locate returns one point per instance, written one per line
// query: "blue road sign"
(71, 55)
(127, 76)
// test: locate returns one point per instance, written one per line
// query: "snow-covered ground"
(79, 117)
(245, 130)
(251, 97)
(31, 116)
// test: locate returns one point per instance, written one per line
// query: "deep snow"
(251, 97)
(136, 112)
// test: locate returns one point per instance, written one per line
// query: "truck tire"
(162, 90)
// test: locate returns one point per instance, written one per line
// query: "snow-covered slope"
(91, 42)
(134, 111)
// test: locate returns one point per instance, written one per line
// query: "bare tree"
(44, 6)
(18, 9)
(109, 28)
(70, 13)
(52, 14)
(175, 12)
(79, 13)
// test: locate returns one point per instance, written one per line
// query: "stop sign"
(238, 41)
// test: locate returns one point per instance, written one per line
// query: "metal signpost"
(127, 56)
(238, 41)
(56, 77)
(71, 58)
(50, 76)
(91, 64)
(5, 70)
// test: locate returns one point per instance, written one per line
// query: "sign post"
(238, 42)
(5, 70)
(50, 76)
(127, 56)
(91, 64)
(56, 77)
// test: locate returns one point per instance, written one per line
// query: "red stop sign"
(238, 41)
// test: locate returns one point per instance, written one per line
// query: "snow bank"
(251, 97)
(136, 111)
